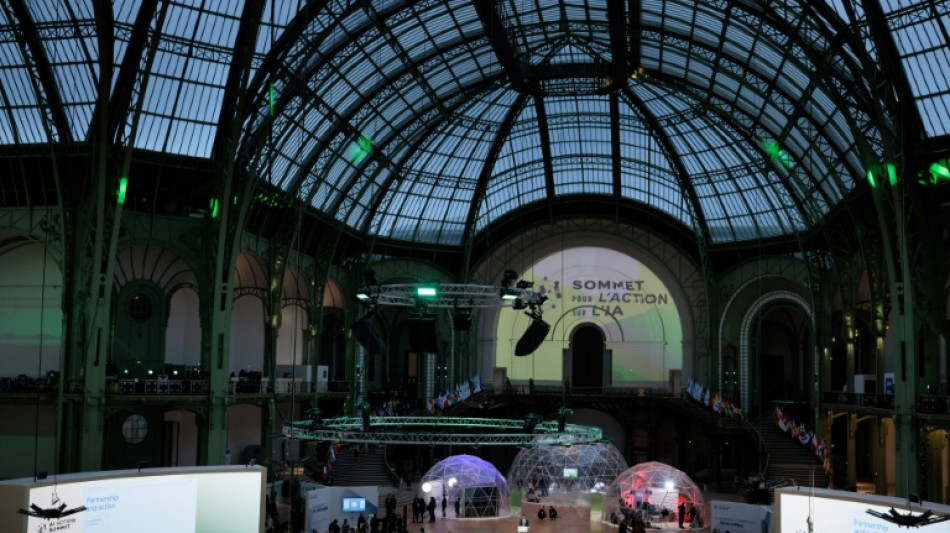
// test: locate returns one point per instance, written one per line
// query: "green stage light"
(777, 153)
(214, 208)
(427, 291)
(872, 181)
(362, 148)
(271, 98)
(940, 170)
(891, 173)
(123, 186)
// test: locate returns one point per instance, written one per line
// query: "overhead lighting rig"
(451, 295)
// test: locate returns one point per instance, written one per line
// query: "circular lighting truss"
(449, 295)
(441, 430)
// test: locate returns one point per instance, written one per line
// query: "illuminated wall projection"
(606, 289)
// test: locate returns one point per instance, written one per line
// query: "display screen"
(626, 305)
(570, 472)
(354, 505)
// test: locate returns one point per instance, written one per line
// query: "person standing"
(458, 506)
(431, 508)
(523, 521)
(445, 503)
(681, 513)
(693, 523)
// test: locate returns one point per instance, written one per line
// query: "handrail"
(764, 450)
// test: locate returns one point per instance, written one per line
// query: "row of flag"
(806, 437)
(713, 400)
(458, 393)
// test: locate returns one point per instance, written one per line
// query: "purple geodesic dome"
(476, 483)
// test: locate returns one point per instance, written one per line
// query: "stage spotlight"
(533, 336)
(531, 420)
(562, 415)
(316, 419)
(366, 334)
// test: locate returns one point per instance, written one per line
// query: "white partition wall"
(847, 512)
(160, 500)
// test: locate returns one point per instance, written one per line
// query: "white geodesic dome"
(480, 487)
(581, 467)
(656, 489)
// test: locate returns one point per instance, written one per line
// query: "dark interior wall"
(26, 450)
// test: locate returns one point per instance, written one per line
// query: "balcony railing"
(933, 405)
(860, 399)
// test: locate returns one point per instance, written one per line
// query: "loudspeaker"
(532, 338)
(366, 334)
(423, 334)
(462, 321)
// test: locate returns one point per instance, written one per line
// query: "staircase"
(366, 469)
(707, 416)
(787, 458)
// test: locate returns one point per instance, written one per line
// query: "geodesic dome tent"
(581, 467)
(479, 486)
(656, 489)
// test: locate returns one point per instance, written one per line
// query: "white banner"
(740, 517)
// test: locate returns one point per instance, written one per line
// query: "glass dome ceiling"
(429, 121)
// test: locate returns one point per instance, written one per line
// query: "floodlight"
(123, 187)
(427, 291)
(669, 485)
(427, 487)
(453, 481)
(891, 173)
(940, 170)
(363, 295)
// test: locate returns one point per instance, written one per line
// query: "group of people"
(542, 514)
(693, 515)
(419, 508)
(361, 526)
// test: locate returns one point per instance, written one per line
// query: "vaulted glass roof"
(428, 121)
(730, 117)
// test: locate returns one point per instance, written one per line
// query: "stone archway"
(586, 359)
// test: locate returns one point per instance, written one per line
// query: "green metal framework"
(441, 430)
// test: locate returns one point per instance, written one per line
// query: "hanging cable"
(39, 363)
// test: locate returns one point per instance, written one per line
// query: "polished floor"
(570, 520)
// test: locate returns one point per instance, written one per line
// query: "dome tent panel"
(480, 488)
(656, 490)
